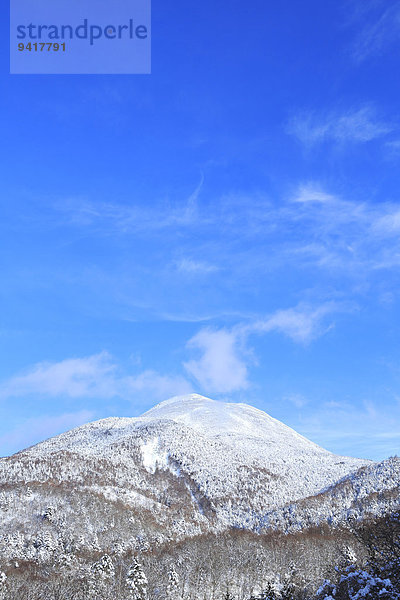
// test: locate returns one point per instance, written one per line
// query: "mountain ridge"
(188, 466)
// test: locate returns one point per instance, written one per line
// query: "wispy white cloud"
(301, 324)
(315, 232)
(312, 226)
(393, 146)
(298, 400)
(355, 125)
(220, 367)
(154, 385)
(378, 29)
(122, 218)
(224, 357)
(97, 377)
(350, 237)
(191, 208)
(195, 267)
(312, 193)
(388, 223)
(73, 377)
(254, 241)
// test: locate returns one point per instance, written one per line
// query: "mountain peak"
(182, 399)
(214, 418)
(197, 464)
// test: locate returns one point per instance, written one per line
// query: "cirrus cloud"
(356, 125)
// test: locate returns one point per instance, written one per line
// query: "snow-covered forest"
(361, 561)
(231, 505)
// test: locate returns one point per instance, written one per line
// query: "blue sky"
(227, 225)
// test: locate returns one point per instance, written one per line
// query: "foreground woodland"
(356, 562)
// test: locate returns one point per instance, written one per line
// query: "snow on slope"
(189, 465)
(240, 426)
(238, 459)
(213, 418)
(372, 491)
(261, 440)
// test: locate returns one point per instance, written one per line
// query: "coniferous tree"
(269, 592)
(3, 588)
(173, 582)
(136, 581)
(228, 595)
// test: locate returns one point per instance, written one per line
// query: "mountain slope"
(188, 466)
(374, 490)
(225, 450)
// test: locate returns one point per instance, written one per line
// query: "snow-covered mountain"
(372, 491)
(190, 465)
